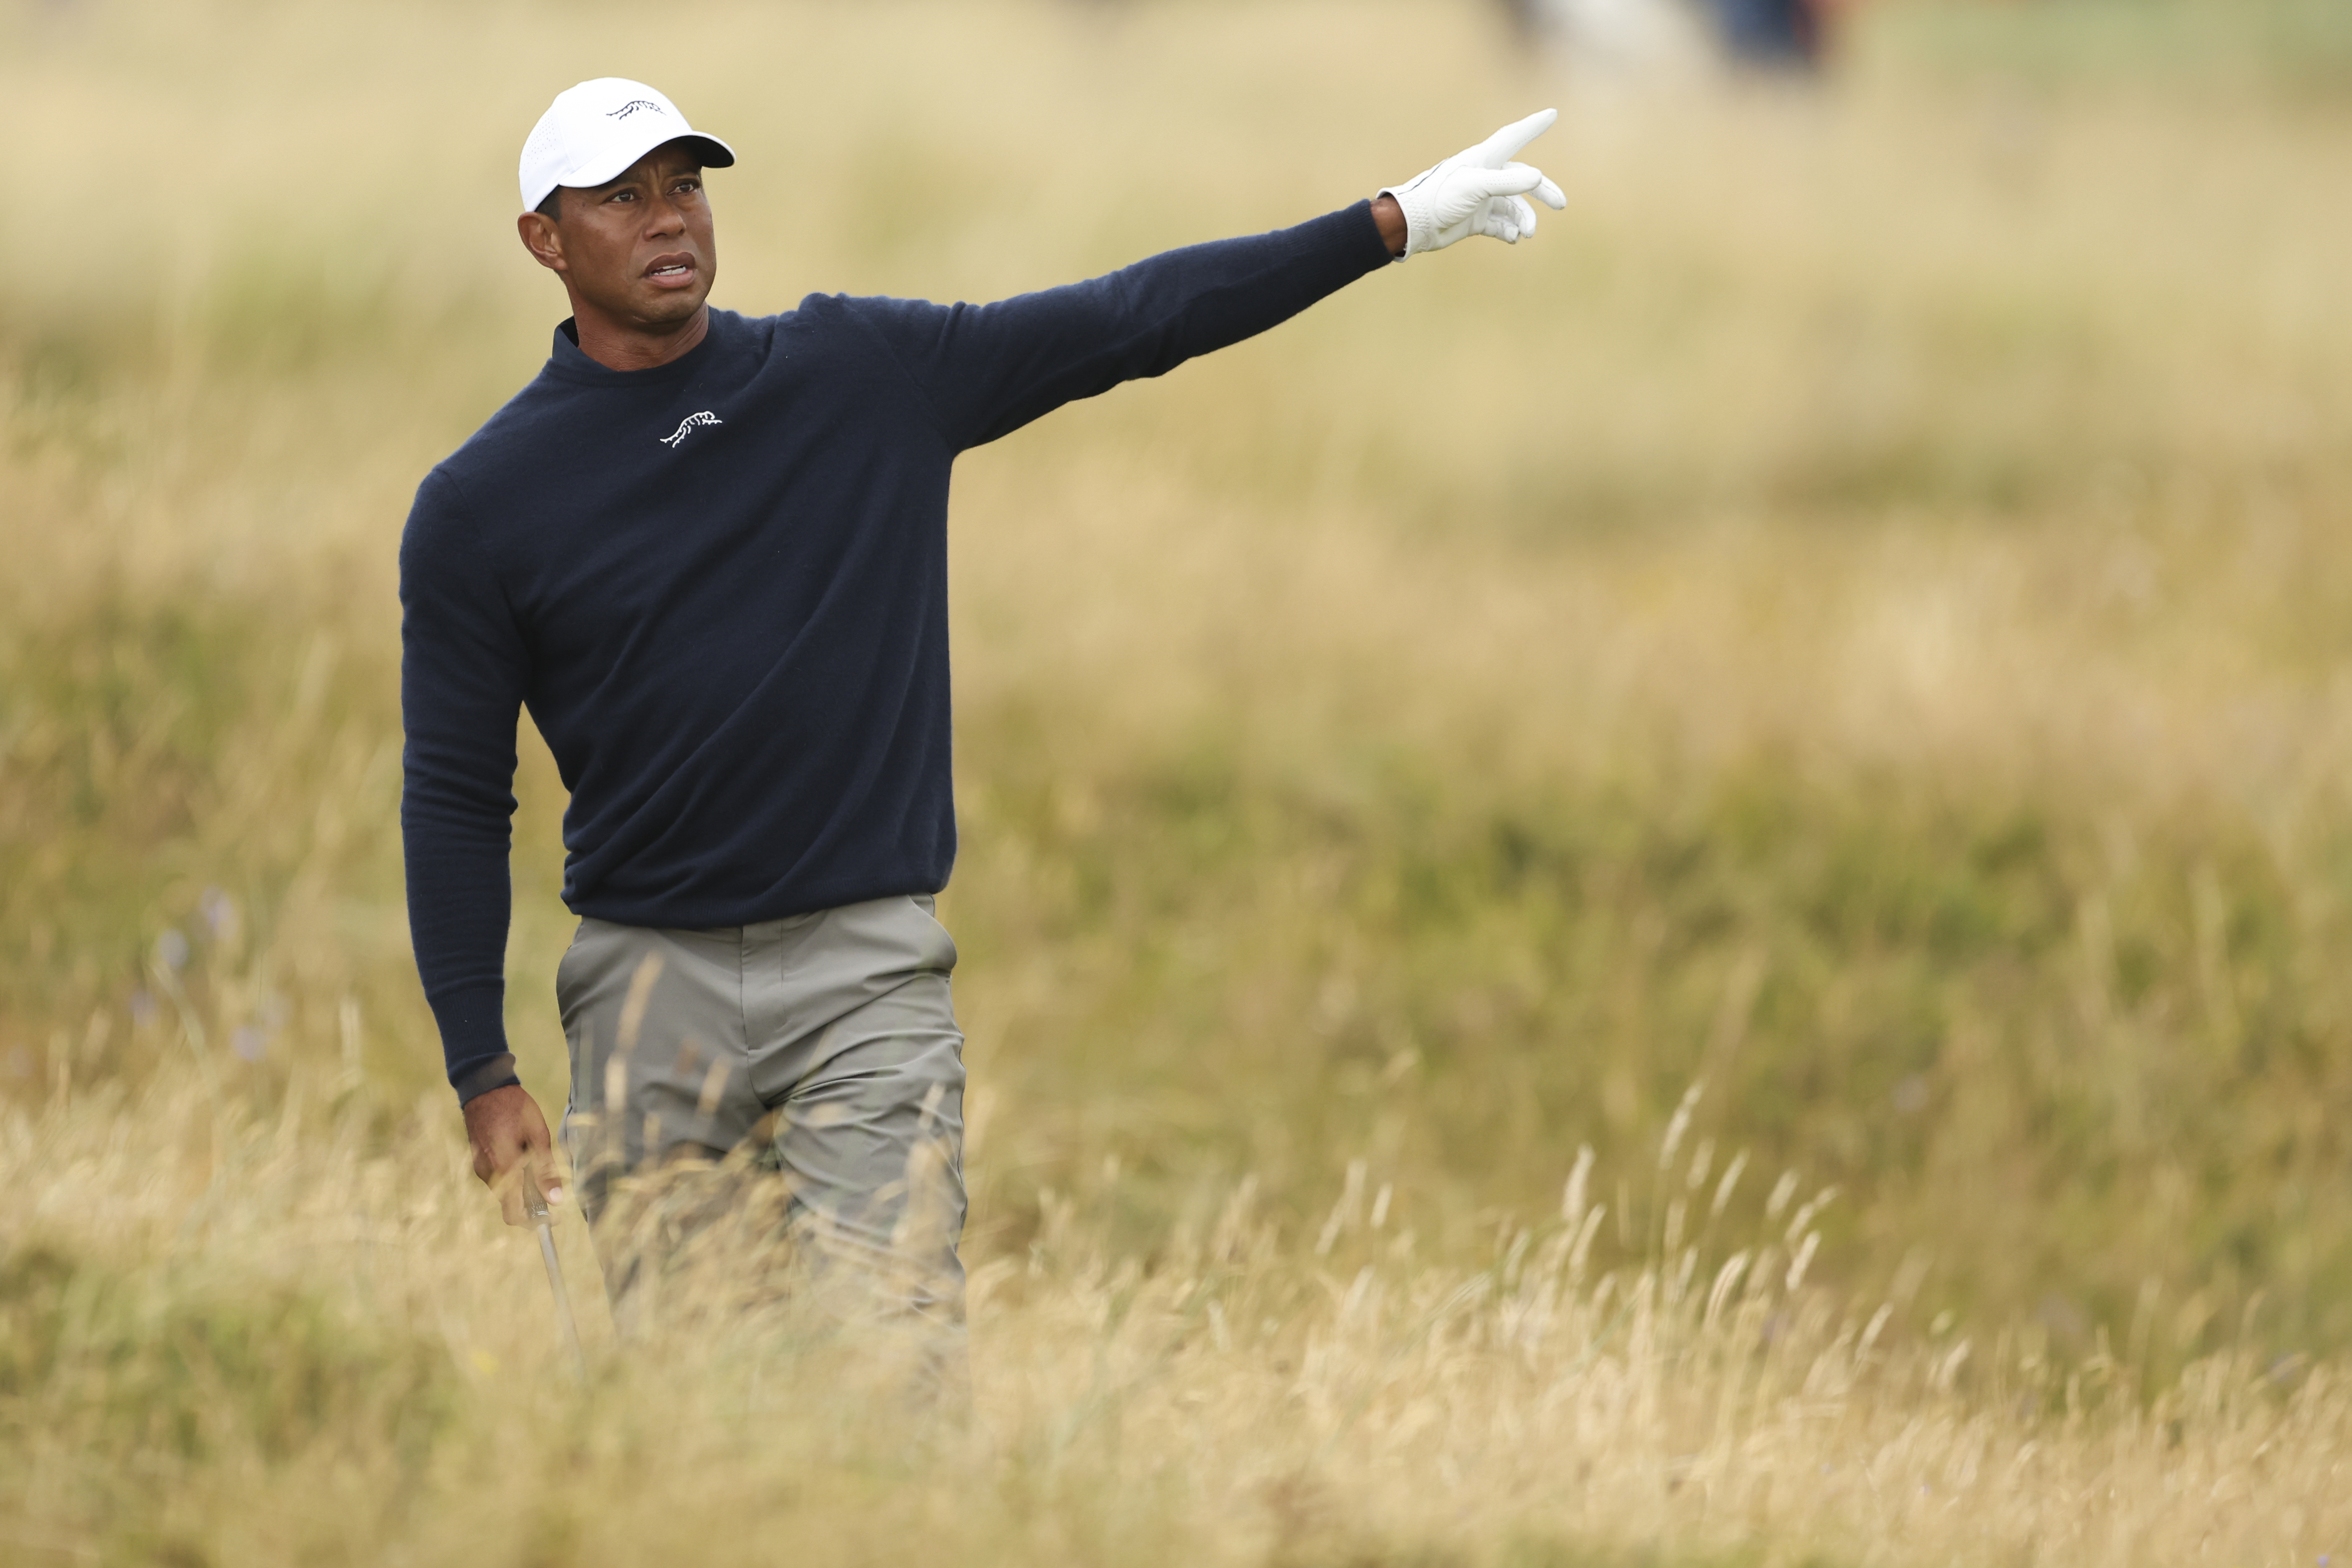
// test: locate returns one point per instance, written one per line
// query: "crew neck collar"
(568, 361)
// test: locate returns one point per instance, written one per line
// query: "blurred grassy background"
(1857, 612)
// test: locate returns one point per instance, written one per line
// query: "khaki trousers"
(825, 1044)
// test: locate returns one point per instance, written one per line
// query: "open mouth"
(671, 271)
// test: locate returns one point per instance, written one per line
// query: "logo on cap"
(632, 107)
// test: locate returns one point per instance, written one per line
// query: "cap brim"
(715, 154)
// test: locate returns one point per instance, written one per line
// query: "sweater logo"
(685, 427)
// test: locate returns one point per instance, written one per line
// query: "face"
(638, 252)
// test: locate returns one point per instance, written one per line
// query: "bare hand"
(511, 1147)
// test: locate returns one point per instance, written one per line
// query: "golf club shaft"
(562, 1300)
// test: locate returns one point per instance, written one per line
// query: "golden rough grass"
(282, 1340)
(1899, 462)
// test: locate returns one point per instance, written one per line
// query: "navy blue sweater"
(720, 587)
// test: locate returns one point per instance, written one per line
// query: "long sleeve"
(988, 370)
(463, 668)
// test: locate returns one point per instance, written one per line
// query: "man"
(708, 552)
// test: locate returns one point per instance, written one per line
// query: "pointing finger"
(1504, 145)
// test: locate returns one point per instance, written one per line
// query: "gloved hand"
(1477, 191)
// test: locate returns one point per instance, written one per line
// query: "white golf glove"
(1479, 191)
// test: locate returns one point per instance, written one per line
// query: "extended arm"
(988, 370)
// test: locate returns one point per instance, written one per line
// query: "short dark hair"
(551, 209)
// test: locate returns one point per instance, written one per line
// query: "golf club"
(535, 1203)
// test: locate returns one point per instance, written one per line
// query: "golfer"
(708, 552)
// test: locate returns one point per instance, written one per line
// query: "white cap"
(594, 132)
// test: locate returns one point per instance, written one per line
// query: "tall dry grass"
(255, 1339)
(1853, 616)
